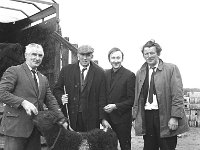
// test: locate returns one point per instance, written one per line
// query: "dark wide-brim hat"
(85, 49)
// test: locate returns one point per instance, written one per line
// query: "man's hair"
(152, 43)
(31, 46)
(115, 49)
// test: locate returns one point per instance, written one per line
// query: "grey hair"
(32, 46)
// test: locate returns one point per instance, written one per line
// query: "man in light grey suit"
(24, 90)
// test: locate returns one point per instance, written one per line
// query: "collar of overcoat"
(142, 72)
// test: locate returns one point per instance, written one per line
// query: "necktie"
(152, 87)
(82, 78)
(82, 73)
(36, 83)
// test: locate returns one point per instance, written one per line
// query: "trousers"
(152, 139)
(21, 143)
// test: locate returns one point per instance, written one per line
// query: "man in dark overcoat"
(81, 86)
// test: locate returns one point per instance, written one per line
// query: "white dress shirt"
(86, 71)
(154, 104)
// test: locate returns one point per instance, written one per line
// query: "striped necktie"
(35, 79)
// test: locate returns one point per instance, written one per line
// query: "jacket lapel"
(90, 76)
(142, 76)
(77, 75)
(108, 76)
(28, 73)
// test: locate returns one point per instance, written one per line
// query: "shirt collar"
(156, 66)
(31, 68)
(81, 67)
(116, 70)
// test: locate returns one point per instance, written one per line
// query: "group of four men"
(93, 96)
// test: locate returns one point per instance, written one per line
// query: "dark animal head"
(45, 120)
(100, 139)
(111, 140)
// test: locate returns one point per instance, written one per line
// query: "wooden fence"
(192, 110)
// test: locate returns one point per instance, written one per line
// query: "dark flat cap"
(85, 49)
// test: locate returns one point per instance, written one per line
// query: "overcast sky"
(129, 24)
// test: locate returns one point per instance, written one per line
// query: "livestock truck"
(33, 21)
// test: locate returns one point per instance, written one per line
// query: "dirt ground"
(187, 141)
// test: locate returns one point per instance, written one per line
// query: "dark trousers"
(20, 143)
(123, 131)
(80, 126)
(152, 140)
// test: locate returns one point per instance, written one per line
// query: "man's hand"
(109, 108)
(64, 99)
(173, 123)
(29, 107)
(105, 124)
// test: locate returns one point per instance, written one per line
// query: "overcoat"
(169, 89)
(94, 93)
(17, 84)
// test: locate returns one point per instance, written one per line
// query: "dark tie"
(82, 78)
(36, 83)
(82, 73)
(152, 89)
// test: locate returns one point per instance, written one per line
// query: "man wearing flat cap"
(81, 86)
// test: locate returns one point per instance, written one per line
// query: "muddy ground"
(187, 141)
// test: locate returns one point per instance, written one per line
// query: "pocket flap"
(8, 114)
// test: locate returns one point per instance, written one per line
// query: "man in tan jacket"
(158, 108)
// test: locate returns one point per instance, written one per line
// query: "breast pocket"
(10, 118)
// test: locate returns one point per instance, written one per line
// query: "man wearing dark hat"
(81, 86)
(158, 107)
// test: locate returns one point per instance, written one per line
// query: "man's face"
(34, 57)
(151, 56)
(116, 59)
(85, 59)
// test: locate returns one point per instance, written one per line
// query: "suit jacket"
(121, 93)
(16, 85)
(93, 93)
